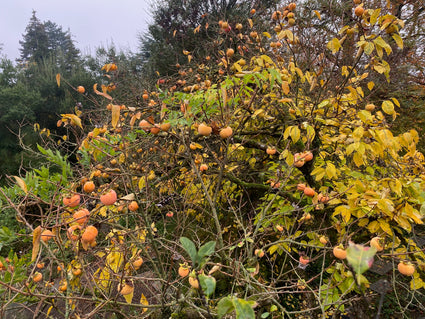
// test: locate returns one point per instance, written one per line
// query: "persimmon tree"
(259, 186)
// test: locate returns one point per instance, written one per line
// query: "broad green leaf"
(206, 250)
(208, 284)
(360, 257)
(224, 306)
(190, 248)
(244, 308)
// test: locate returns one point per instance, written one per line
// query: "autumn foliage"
(241, 183)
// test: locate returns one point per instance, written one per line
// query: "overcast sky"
(92, 23)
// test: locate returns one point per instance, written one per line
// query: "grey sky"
(92, 23)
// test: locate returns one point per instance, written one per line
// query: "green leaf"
(206, 250)
(360, 257)
(224, 306)
(190, 248)
(244, 309)
(208, 284)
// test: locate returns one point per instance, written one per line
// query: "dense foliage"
(262, 179)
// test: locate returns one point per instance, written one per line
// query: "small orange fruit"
(145, 125)
(259, 253)
(155, 130)
(72, 201)
(169, 214)
(89, 187)
(63, 286)
(301, 187)
(81, 216)
(165, 127)
(304, 260)
(109, 198)
(138, 263)
(279, 228)
(230, 52)
(376, 242)
(339, 252)
(406, 268)
(74, 232)
(89, 234)
(292, 6)
(322, 198)
(37, 277)
(203, 167)
(40, 265)
(46, 235)
(81, 89)
(369, 107)
(323, 240)
(77, 271)
(133, 206)
(145, 96)
(271, 150)
(308, 191)
(184, 270)
(204, 129)
(126, 289)
(308, 156)
(358, 11)
(253, 11)
(226, 132)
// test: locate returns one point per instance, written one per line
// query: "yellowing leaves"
(106, 95)
(72, 118)
(334, 45)
(36, 237)
(21, 183)
(115, 115)
(144, 301)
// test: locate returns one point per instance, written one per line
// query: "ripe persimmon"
(308, 156)
(301, 187)
(74, 232)
(81, 89)
(226, 132)
(271, 150)
(358, 11)
(89, 187)
(46, 235)
(81, 216)
(292, 6)
(339, 252)
(259, 253)
(230, 52)
(376, 242)
(203, 167)
(109, 198)
(63, 286)
(72, 201)
(165, 127)
(308, 191)
(37, 277)
(40, 265)
(304, 260)
(323, 240)
(133, 206)
(204, 129)
(406, 268)
(89, 234)
(184, 270)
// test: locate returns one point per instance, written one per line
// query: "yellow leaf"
(75, 120)
(144, 301)
(285, 87)
(21, 183)
(58, 79)
(370, 85)
(317, 14)
(36, 236)
(101, 93)
(398, 40)
(385, 226)
(334, 45)
(115, 115)
(388, 107)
